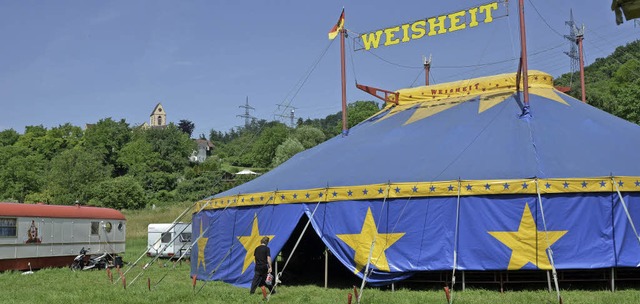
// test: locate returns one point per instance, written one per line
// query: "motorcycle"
(81, 262)
(98, 262)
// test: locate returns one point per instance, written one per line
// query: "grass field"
(170, 283)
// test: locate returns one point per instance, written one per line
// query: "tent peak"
(471, 87)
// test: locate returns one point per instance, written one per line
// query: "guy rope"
(549, 251)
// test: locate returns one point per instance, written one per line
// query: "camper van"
(169, 240)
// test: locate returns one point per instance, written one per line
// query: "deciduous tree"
(22, 172)
(8, 137)
(264, 148)
(186, 126)
(309, 136)
(106, 138)
(286, 150)
(73, 174)
(122, 192)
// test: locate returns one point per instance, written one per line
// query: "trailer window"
(185, 237)
(8, 227)
(108, 227)
(95, 227)
(166, 237)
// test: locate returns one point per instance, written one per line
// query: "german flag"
(338, 27)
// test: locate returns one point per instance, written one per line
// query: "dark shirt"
(261, 253)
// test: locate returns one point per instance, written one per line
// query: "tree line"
(612, 83)
(113, 164)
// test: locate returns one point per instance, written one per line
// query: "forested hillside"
(112, 164)
(612, 83)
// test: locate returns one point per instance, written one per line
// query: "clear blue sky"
(81, 61)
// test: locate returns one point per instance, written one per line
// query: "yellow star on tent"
(202, 244)
(250, 242)
(361, 243)
(524, 242)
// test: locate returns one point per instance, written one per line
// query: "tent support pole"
(171, 227)
(626, 210)
(345, 130)
(613, 279)
(326, 267)
(162, 249)
(523, 54)
(455, 243)
(279, 274)
(366, 271)
(549, 282)
(463, 281)
(549, 251)
(373, 243)
(579, 39)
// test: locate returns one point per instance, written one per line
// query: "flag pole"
(345, 131)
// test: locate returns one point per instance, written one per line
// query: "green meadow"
(167, 282)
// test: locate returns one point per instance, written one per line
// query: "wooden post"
(427, 69)
(523, 54)
(343, 75)
(579, 39)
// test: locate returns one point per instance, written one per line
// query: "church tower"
(158, 117)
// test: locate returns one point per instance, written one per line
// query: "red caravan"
(51, 236)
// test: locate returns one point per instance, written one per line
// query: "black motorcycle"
(82, 262)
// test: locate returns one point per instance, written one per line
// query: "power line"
(393, 63)
(298, 86)
(544, 20)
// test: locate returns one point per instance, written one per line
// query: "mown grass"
(65, 286)
(170, 283)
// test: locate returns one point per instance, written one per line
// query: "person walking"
(262, 256)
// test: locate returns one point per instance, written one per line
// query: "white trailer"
(169, 240)
(39, 235)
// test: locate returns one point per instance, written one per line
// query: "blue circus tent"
(459, 175)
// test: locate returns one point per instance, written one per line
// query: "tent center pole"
(523, 54)
(343, 83)
(579, 39)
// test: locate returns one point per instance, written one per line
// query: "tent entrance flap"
(307, 264)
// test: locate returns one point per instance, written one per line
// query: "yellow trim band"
(426, 189)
